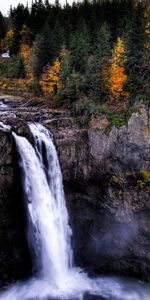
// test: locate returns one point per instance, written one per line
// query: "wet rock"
(108, 201)
(88, 296)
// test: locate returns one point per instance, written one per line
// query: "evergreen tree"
(2, 28)
(135, 39)
(56, 39)
(80, 46)
(40, 54)
(146, 57)
(102, 62)
(90, 64)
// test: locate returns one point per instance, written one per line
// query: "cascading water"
(49, 233)
(48, 218)
(59, 252)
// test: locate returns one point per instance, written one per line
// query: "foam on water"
(49, 233)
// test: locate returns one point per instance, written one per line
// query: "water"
(3, 106)
(49, 233)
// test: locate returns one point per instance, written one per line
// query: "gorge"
(107, 195)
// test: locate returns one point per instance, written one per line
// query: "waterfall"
(49, 233)
(57, 253)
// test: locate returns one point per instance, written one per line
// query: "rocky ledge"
(106, 173)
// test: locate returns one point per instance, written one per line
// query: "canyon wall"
(106, 172)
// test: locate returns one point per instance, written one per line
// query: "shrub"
(145, 176)
(115, 120)
(14, 67)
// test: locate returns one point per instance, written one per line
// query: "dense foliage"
(82, 55)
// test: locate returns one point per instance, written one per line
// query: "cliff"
(106, 173)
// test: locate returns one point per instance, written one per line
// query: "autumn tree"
(94, 63)
(7, 41)
(25, 54)
(50, 79)
(117, 73)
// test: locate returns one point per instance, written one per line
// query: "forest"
(91, 56)
(75, 150)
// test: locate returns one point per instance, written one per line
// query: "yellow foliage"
(50, 79)
(145, 176)
(5, 43)
(118, 55)
(117, 74)
(22, 84)
(25, 52)
(25, 29)
(7, 85)
(117, 79)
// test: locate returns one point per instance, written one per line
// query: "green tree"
(80, 47)
(2, 28)
(135, 40)
(14, 67)
(40, 54)
(102, 62)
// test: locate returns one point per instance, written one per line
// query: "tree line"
(81, 55)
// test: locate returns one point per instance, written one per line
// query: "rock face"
(14, 252)
(108, 199)
(106, 175)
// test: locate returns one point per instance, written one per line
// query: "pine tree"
(135, 39)
(146, 57)
(80, 47)
(101, 63)
(2, 28)
(40, 54)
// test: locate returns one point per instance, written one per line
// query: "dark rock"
(14, 255)
(88, 296)
(108, 201)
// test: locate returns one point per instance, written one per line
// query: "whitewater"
(49, 234)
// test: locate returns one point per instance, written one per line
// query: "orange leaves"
(117, 79)
(50, 79)
(117, 74)
(118, 55)
(25, 52)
